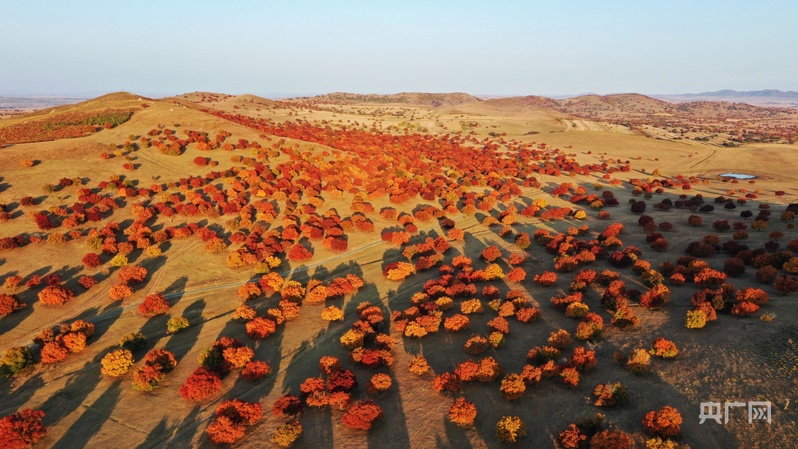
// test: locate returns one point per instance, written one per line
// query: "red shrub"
(767, 274)
(22, 429)
(43, 222)
(660, 244)
(287, 405)
(92, 260)
(734, 267)
(709, 278)
(154, 304)
(87, 282)
(240, 411)
(200, 385)
(786, 284)
(299, 253)
(343, 381)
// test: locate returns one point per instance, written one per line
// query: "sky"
(290, 48)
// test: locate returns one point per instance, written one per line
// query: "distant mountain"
(418, 98)
(33, 103)
(766, 97)
(769, 93)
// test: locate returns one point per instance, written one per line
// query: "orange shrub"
(572, 437)
(455, 234)
(244, 312)
(491, 253)
(527, 314)
(119, 292)
(744, 308)
(456, 323)
(517, 274)
(147, 377)
(161, 357)
(130, 274)
(545, 279)
(462, 413)
(117, 362)
(53, 351)
(610, 395)
(249, 290)
(260, 328)
(10, 304)
(419, 365)
(559, 339)
(590, 327)
(510, 428)
(446, 383)
(665, 422)
(379, 383)
(583, 359)
(75, 341)
(664, 348)
(499, 324)
(255, 370)
(513, 387)
(611, 439)
(232, 417)
(329, 364)
(753, 295)
(656, 297)
(362, 415)
(471, 306)
(570, 377)
(332, 313)
(398, 271)
(54, 295)
(238, 357)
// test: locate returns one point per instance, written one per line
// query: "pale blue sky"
(480, 47)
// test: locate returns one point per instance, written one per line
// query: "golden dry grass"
(734, 359)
